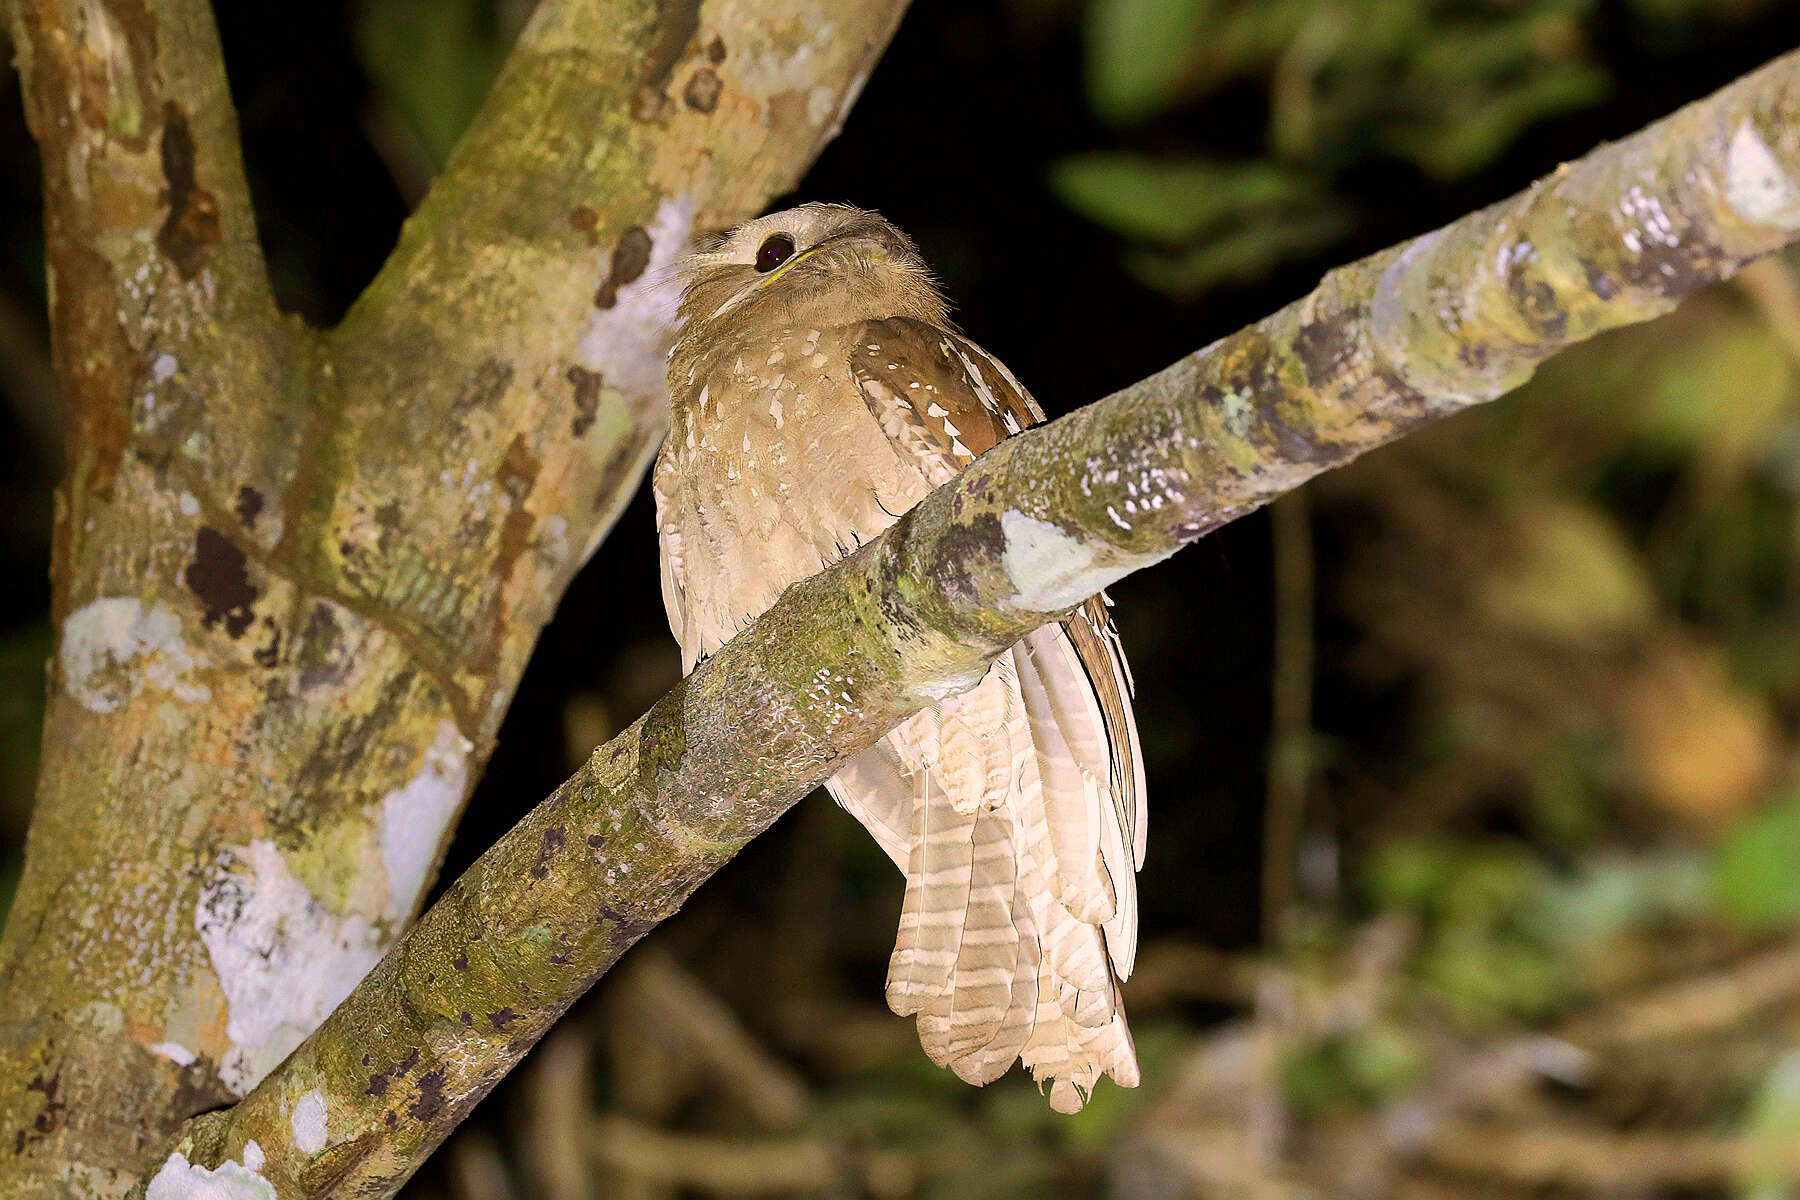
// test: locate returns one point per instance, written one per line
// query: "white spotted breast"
(774, 467)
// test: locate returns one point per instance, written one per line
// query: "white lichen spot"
(1756, 186)
(254, 1158)
(181, 1180)
(162, 368)
(284, 960)
(189, 505)
(308, 1122)
(175, 1052)
(627, 343)
(1238, 410)
(1044, 564)
(1053, 571)
(104, 1018)
(112, 649)
(416, 817)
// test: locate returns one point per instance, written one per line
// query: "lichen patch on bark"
(1053, 571)
(283, 960)
(415, 819)
(310, 1122)
(113, 648)
(1756, 185)
(641, 309)
(179, 1179)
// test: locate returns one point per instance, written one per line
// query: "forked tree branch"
(1031, 529)
(298, 575)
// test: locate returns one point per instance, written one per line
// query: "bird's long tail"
(996, 805)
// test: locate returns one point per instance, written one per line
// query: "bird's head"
(819, 264)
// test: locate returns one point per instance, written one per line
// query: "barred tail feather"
(1072, 701)
(987, 1063)
(1070, 795)
(999, 806)
(969, 1013)
(938, 877)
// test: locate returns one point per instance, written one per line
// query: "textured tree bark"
(1028, 531)
(297, 575)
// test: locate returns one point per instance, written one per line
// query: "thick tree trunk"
(297, 575)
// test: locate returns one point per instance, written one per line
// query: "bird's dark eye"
(776, 249)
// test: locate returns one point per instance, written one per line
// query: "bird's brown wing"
(1005, 955)
(938, 395)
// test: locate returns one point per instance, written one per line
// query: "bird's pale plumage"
(817, 392)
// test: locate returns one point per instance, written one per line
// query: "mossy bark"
(1025, 533)
(297, 574)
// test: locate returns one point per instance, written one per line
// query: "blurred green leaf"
(1241, 254)
(1455, 141)
(1313, 1081)
(1351, 1071)
(1499, 46)
(1135, 53)
(1722, 392)
(1406, 876)
(434, 60)
(1569, 574)
(1755, 879)
(1173, 202)
(1446, 84)
(1382, 1061)
(1247, 38)
(1490, 977)
(1485, 949)
(1667, 11)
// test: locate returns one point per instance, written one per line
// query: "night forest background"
(1474, 862)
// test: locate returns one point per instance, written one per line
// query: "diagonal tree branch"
(298, 575)
(1028, 531)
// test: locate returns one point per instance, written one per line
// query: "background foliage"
(1525, 689)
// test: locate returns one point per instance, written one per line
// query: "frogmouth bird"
(817, 391)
